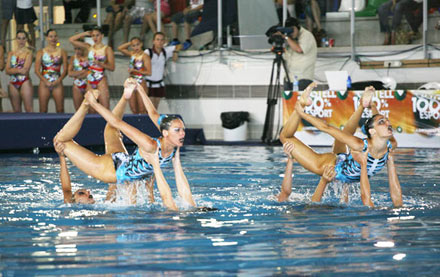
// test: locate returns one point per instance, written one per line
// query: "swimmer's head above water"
(172, 128)
(377, 125)
(82, 196)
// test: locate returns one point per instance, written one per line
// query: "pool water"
(250, 235)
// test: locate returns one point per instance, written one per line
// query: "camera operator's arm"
(293, 42)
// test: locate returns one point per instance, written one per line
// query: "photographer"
(300, 54)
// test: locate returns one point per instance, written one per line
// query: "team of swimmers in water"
(352, 159)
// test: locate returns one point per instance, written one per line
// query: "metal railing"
(220, 24)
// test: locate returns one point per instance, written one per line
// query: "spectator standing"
(301, 53)
(25, 14)
(399, 9)
(101, 58)
(48, 63)
(159, 55)
(18, 65)
(84, 7)
(8, 10)
(139, 68)
(188, 16)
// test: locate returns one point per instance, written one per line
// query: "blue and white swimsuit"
(134, 167)
(349, 171)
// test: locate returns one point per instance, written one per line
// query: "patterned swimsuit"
(134, 167)
(349, 171)
(96, 72)
(18, 79)
(51, 66)
(137, 63)
(79, 65)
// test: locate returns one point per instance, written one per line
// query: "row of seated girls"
(87, 67)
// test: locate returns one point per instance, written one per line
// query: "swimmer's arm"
(74, 40)
(65, 65)
(110, 63)
(365, 187)
(2, 58)
(351, 141)
(162, 185)
(147, 66)
(393, 180)
(151, 110)
(143, 141)
(182, 184)
(361, 158)
(9, 69)
(38, 67)
(123, 48)
(65, 180)
(286, 185)
(327, 176)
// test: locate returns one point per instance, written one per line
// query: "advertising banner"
(414, 115)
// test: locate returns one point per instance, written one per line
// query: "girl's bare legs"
(302, 153)
(14, 96)
(155, 101)
(99, 167)
(43, 97)
(27, 96)
(104, 94)
(78, 97)
(58, 97)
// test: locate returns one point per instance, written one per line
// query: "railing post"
(40, 20)
(98, 12)
(425, 29)
(219, 22)
(158, 17)
(284, 12)
(352, 31)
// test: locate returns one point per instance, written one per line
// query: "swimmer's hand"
(90, 97)
(288, 148)
(329, 173)
(59, 147)
(129, 87)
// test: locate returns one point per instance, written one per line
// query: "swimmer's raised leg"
(302, 153)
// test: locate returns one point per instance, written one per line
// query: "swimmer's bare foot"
(305, 99)
(367, 96)
(129, 87)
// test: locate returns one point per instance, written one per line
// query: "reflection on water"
(250, 234)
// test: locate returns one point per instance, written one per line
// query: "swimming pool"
(250, 235)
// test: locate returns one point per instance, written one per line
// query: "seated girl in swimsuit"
(379, 143)
(140, 66)
(48, 63)
(101, 58)
(18, 65)
(116, 165)
(78, 69)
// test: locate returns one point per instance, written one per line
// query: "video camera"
(274, 38)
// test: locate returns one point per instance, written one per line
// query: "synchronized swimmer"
(352, 159)
(116, 165)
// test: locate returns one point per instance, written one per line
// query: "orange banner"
(408, 111)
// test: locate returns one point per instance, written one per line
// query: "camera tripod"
(273, 94)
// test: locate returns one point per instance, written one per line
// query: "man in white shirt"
(25, 14)
(301, 53)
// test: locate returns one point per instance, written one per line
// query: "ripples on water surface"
(251, 234)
